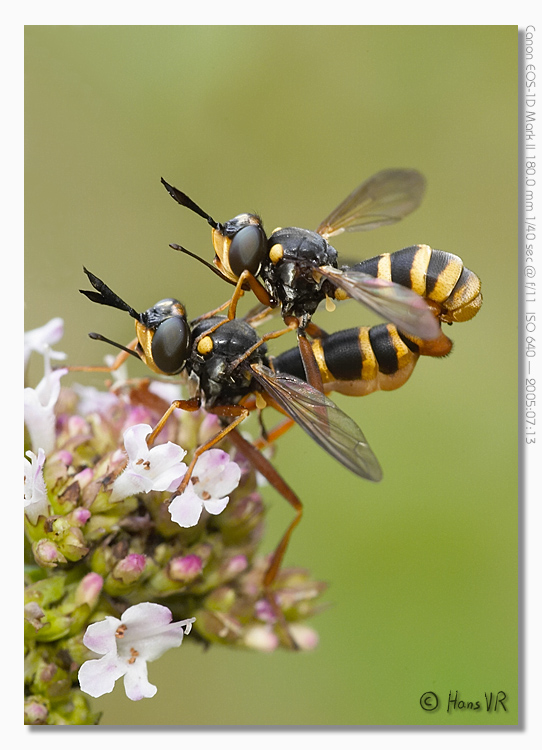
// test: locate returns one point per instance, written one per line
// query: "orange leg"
(312, 371)
(265, 468)
(212, 313)
(257, 288)
(264, 338)
(238, 412)
(259, 314)
(192, 404)
(119, 360)
(275, 433)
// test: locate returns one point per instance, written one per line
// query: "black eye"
(170, 344)
(247, 250)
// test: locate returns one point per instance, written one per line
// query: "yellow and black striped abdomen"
(357, 361)
(439, 277)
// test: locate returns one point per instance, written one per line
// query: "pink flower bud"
(89, 589)
(47, 554)
(129, 569)
(261, 638)
(305, 638)
(184, 569)
(79, 516)
(233, 567)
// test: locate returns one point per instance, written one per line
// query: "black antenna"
(183, 200)
(106, 296)
(201, 260)
(99, 337)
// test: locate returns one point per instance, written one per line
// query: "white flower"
(143, 633)
(39, 339)
(215, 476)
(36, 502)
(159, 468)
(39, 405)
(92, 399)
(167, 391)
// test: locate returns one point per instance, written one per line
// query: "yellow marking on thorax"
(276, 253)
(340, 294)
(205, 345)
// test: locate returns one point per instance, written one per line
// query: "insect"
(228, 364)
(357, 361)
(296, 269)
(451, 289)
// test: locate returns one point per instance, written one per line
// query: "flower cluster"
(110, 543)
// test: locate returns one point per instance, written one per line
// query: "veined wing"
(383, 199)
(322, 419)
(398, 304)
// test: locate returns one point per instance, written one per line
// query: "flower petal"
(217, 474)
(135, 442)
(129, 483)
(159, 468)
(39, 339)
(39, 404)
(228, 480)
(98, 676)
(186, 509)
(100, 636)
(36, 502)
(147, 614)
(214, 506)
(210, 463)
(136, 683)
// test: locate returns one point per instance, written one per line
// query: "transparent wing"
(383, 199)
(398, 304)
(330, 427)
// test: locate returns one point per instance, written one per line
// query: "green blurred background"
(286, 121)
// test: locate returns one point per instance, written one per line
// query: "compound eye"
(247, 250)
(170, 345)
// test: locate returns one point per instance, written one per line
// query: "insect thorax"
(288, 272)
(219, 365)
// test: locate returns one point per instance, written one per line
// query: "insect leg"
(315, 331)
(210, 314)
(256, 286)
(119, 360)
(275, 433)
(191, 404)
(264, 338)
(312, 371)
(239, 413)
(265, 468)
